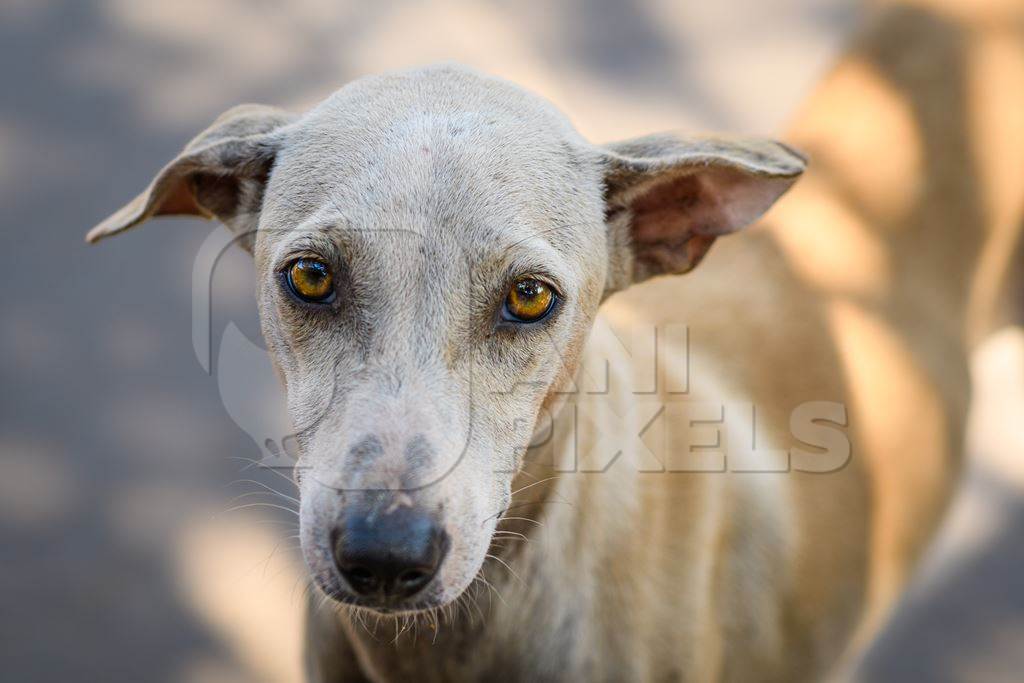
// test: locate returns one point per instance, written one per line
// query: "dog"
(538, 457)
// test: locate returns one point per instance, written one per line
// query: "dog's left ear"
(220, 174)
(668, 198)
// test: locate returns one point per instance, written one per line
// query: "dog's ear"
(668, 198)
(220, 174)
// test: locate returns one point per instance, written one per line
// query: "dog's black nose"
(391, 555)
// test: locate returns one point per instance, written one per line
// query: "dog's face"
(432, 247)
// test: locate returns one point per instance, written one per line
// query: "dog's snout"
(389, 555)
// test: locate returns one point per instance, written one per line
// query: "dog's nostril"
(361, 579)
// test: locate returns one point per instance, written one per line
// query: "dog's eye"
(311, 281)
(528, 301)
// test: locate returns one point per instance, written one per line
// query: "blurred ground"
(122, 558)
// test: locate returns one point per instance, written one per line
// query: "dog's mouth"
(381, 605)
(386, 607)
(334, 587)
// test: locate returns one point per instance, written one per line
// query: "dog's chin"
(431, 599)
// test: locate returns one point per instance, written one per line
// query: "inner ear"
(218, 194)
(671, 226)
(180, 201)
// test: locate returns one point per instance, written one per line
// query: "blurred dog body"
(917, 137)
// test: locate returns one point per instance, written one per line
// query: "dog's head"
(432, 247)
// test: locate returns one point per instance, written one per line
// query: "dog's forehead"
(441, 150)
(372, 104)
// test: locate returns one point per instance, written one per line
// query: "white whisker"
(509, 568)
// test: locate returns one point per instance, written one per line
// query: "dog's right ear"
(221, 174)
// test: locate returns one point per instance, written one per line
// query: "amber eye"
(311, 280)
(528, 301)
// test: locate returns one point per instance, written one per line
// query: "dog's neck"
(485, 634)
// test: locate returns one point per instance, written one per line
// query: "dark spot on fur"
(418, 452)
(418, 456)
(364, 452)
